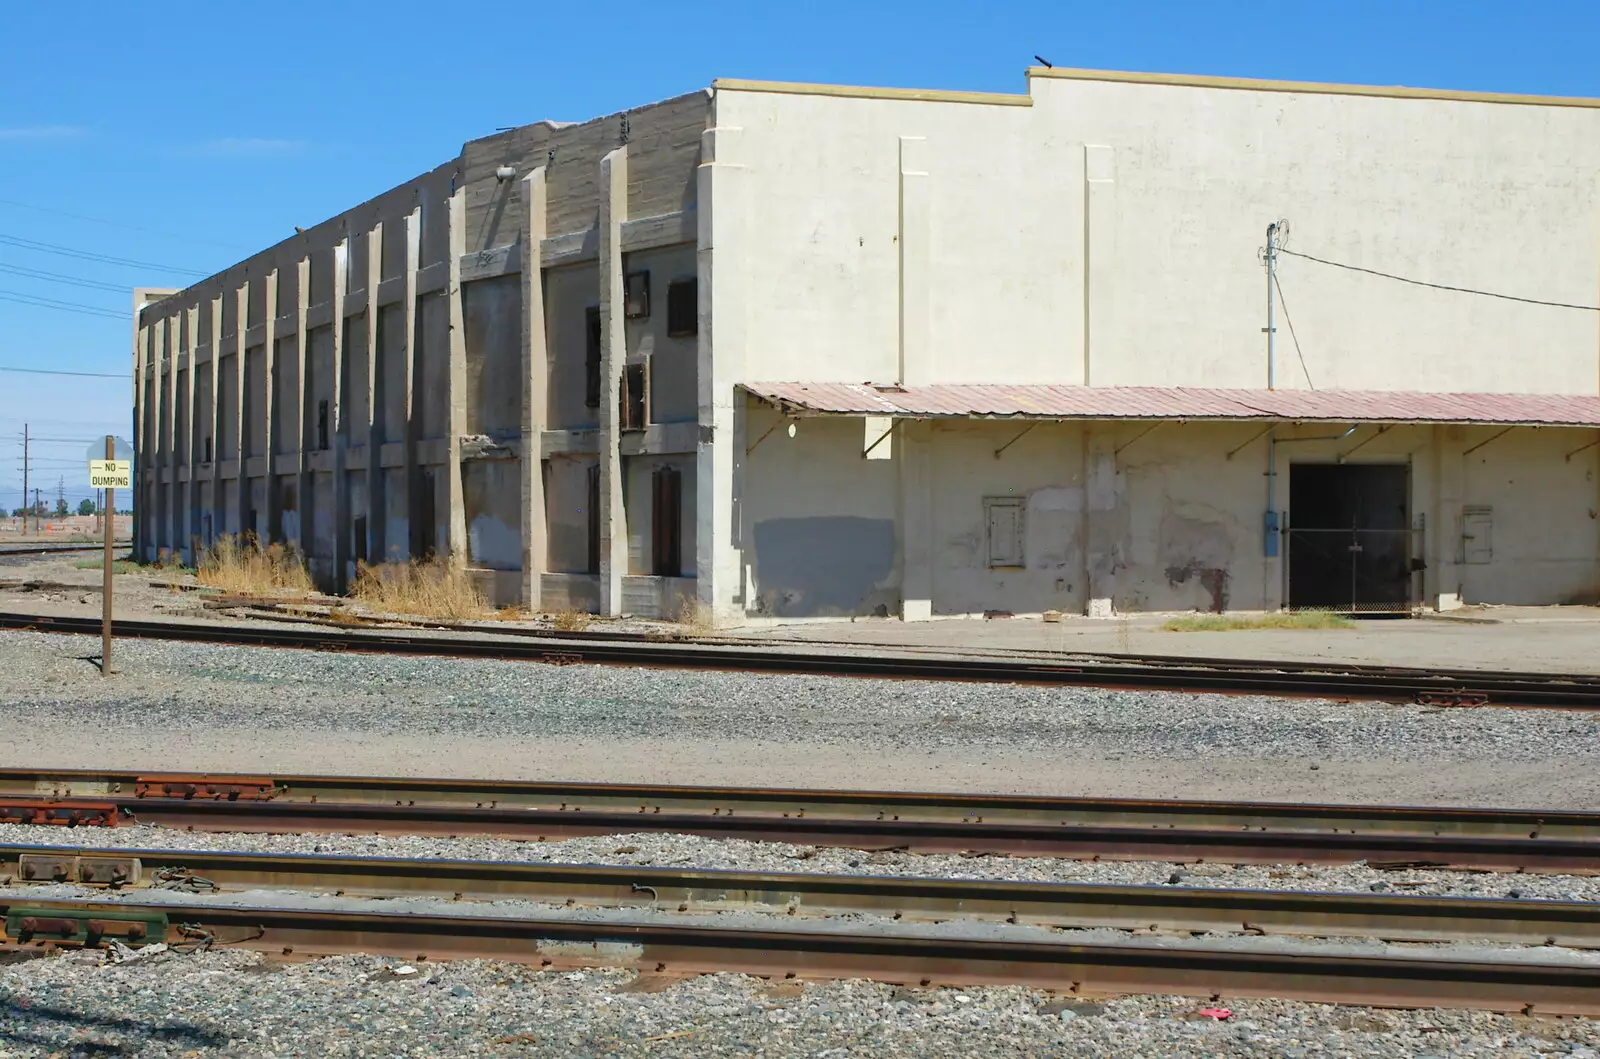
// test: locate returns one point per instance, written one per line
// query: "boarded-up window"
(591, 356)
(1004, 529)
(593, 504)
(1477, 533)
(666, 522)
(683, 308)
(635, 396)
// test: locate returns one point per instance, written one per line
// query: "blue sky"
(188, 135)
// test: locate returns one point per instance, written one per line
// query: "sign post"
(109, 474)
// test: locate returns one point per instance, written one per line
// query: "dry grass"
(570, 620)
(694, 618)
(239, 566)
(1310, 619)
(434, 589)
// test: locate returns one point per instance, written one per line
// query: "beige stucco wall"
(1109, 233)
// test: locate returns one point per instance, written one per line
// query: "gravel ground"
(241, 1004)
(207, 706)
(690, 851)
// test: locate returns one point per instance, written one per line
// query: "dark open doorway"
(1349, 537)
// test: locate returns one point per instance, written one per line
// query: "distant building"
(810, 350)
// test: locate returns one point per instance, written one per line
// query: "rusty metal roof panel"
(943, 400)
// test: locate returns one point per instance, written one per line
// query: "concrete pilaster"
(141, 340)
(721, 196)
(1445, 558)
(916, 353)
(190, 490)
(613, 354)
(304, 503)
(916, 520)
(535, 380)
(377, 530)
(160, 354)
(337, 426)
(1103, 521)
(1099, 254)
(456, 240)
(269, 367)
(214, 423)
(410, 353)
(241, 482)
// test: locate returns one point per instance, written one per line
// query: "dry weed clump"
(240, 566)
(570, 620)
(694, 617)
(436, 588)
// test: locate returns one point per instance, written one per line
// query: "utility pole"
(24, 479)
(1271, 257)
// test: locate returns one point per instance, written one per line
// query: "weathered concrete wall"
(817, 526)
(492, 490)
(566, 482)
(673, 388)
(493, 312)
(569, 295)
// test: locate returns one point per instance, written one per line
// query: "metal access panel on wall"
(1477, 534)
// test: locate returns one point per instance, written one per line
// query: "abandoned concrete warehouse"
(806, 351)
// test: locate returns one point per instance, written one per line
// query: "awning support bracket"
(1585, 448)
(1354, 448)
(752, 447)
(1153, 426)
(881, 439)
(1485, 441)
(1253, 439)
(1014, 440)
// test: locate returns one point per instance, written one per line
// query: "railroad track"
(1319, 680)
(1326, 974)
(1083, 828)
(1163, 910)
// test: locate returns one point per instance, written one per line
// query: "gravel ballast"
(690, 851)
(201, 706)
(242, 1004)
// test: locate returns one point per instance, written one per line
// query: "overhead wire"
(90, 255)
(1290, 321)
(75, 374)
(1440, 286)
(121, 224)
(57, 277)
(80, 308)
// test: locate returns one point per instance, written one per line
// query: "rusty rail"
(1316, 680)
(1176, 910)
(1325, 975)
(1492, 839)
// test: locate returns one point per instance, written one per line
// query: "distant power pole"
(24, 479)
(61, 494)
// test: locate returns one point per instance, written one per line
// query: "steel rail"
(1564, 856)
(1322, 681)
(798, 803)
(1144, 909)
(1326, 975)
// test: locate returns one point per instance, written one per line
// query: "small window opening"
(322, 424)
(634, 398)
(591, 356)
(205, 447)
(358, 538)
(666, 522)
(683, 308)
(636, 302)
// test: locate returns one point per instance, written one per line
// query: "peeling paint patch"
(1198, 547)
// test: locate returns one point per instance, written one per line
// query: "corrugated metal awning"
(999, 401)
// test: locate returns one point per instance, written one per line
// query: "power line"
(1440, 286)
(1290, 321)
(90, 255)
(57, 277)
(76, 374)
(66, 307)
(121, 224)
